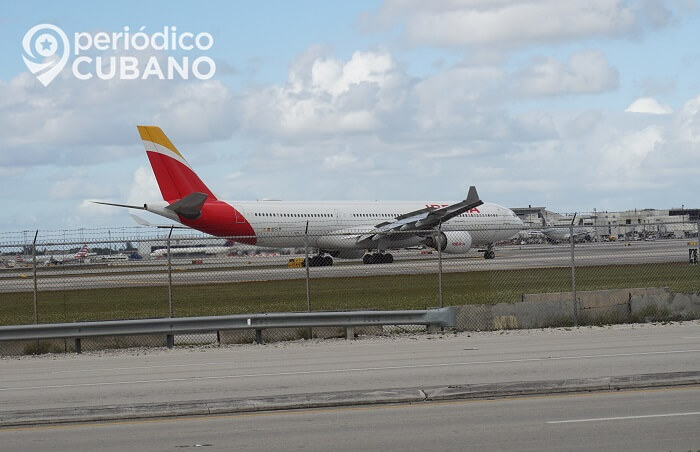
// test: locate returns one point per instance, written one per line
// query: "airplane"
(192, 251)
(347, 230)
(47, 259)
(563, 233)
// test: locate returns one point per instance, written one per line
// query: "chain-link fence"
(541, 277)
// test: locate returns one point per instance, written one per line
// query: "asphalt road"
(230, 269)
(647, 420)
(311, 367)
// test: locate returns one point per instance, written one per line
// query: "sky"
(573, 105)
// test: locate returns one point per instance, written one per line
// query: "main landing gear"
(489, 253)
(378, 258)
(319, 261)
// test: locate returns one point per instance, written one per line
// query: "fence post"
(306, 265)
(573, 274)
(36, 291)
(438, 241)
(170, 275)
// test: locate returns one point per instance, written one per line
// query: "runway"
(237, 269)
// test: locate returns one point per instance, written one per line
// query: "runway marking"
(623, 418)
(339, 371)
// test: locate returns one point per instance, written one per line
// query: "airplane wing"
(423, 219)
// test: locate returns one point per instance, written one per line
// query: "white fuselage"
(290, 224)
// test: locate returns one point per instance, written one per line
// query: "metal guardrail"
(443, 317)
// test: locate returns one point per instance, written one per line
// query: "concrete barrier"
(594, 307)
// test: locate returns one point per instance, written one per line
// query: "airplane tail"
(175, 177)
(82, 253)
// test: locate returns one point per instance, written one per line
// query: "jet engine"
(451, 242)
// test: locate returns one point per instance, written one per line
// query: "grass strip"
(390, 292)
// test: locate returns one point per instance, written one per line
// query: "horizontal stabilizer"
(143, 207)
(144, 222)
(190, 206)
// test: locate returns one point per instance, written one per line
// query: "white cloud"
(686, 126)
(325, 96)
(76, 186)
(517, 22)
(144, 187)
(648, 105)
(584, 73)
(623, 159)
(74, 122)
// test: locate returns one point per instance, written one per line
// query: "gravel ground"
(399, 338)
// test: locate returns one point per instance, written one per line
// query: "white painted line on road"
(623, 418)
(331, 371)
(469, 363)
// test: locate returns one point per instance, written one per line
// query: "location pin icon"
(46, 50)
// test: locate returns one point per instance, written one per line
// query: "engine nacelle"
(451, 242)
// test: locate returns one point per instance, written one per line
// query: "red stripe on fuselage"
(175, 180)
(221, 219)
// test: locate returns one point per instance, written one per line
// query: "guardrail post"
(78, 346)
(349, 333)
(258, 336)
(170, 340)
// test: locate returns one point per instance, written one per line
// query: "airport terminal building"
(671, 223)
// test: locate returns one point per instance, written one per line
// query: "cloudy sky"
(574, 105)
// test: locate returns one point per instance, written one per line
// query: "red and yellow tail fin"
(175, 177)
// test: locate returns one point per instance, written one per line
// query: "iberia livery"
(336, 229)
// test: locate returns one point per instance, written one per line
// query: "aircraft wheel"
(389, 258)
(327, 261)
(367, 259)
(490, 254)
